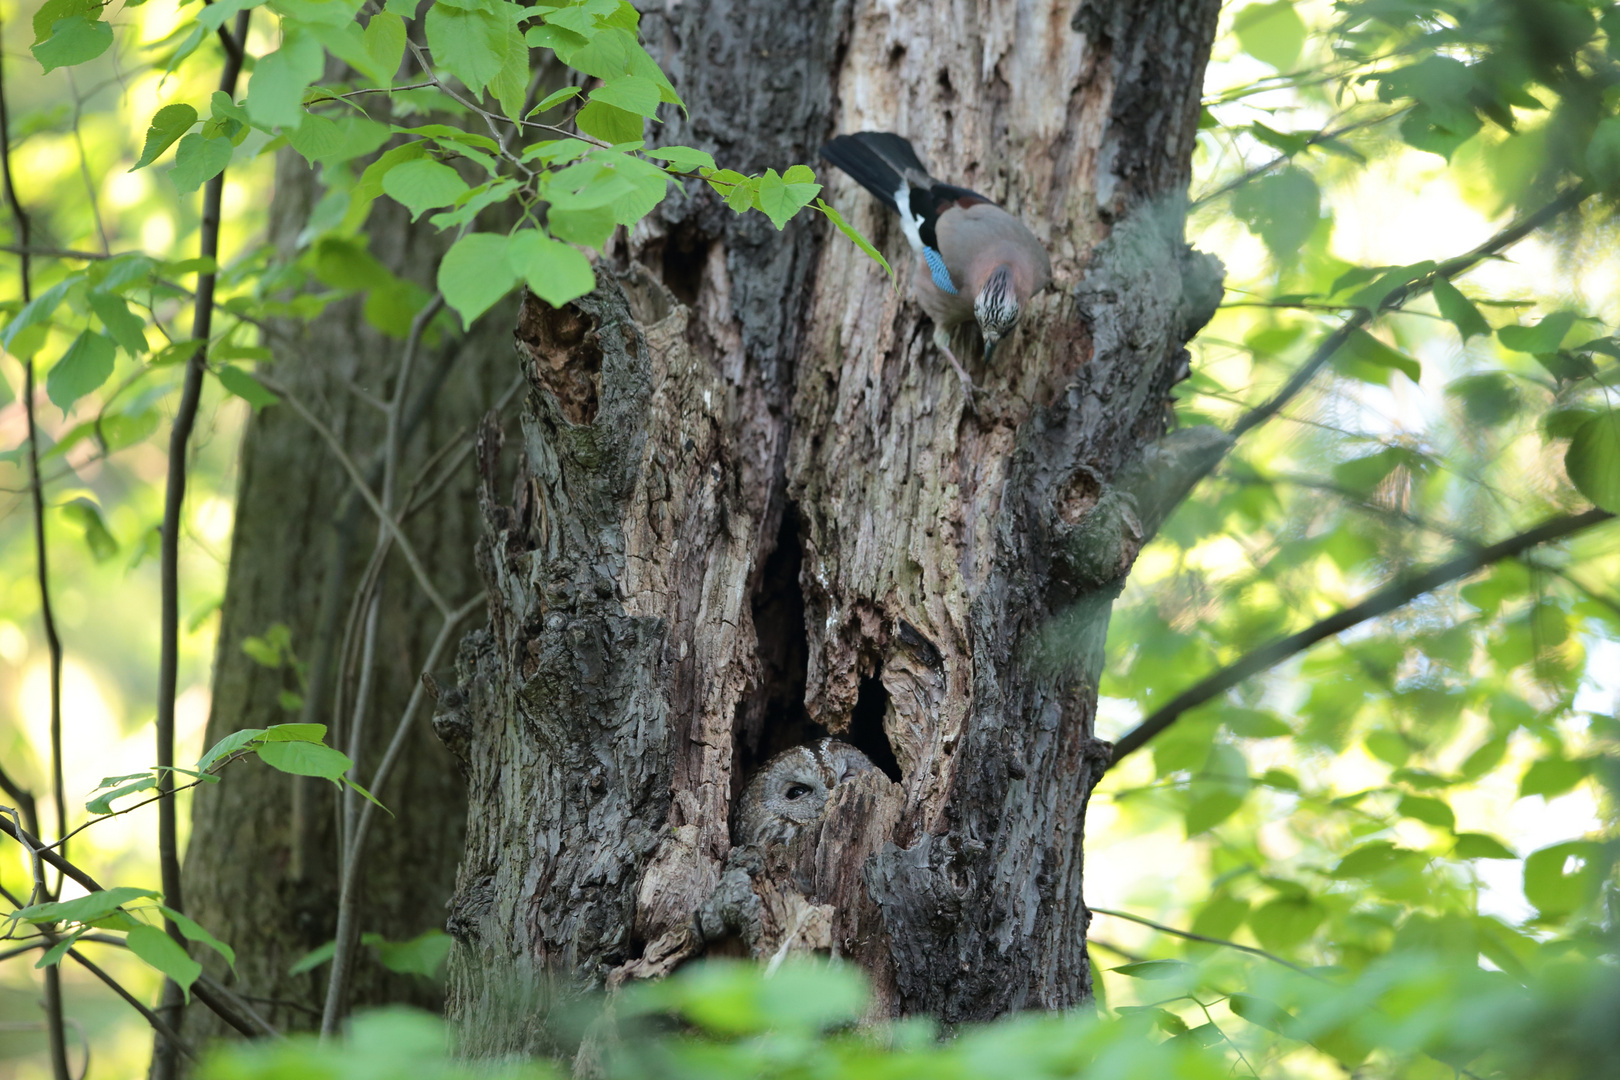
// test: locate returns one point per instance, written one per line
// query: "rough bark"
(751, 508)
(259, 873)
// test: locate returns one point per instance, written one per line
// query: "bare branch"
(348, 898)
(1190, 936)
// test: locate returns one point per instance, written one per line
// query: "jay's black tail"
(879, 161)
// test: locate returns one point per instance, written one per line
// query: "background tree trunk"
(749, 508)
(259, 872)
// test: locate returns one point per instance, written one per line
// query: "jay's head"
(996, 308)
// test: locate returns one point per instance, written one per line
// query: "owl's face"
(791, 790)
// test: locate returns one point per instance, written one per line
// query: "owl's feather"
(791, 790)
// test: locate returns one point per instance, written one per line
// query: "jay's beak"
(990, 344)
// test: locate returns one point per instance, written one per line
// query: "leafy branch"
(1398, 594)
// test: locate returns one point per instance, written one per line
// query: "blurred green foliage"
(1417, 1015)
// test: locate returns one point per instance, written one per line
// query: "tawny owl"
(791, 790)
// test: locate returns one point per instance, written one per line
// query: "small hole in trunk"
(866, 725)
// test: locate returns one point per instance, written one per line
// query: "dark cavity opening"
(774, 718)
(866, 732)
(686, 250)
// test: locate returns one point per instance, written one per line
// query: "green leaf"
(217, 13)
(1366, 358)
(472, 45)
(423, 184)
(1602, 153)
(384, 40)
(1388, 747)
(171, 122)
(555, 272)
(552, 100)
(1551, 777)
(126, 328)
(1459, 310)
(782, 196)
(85, 909)
(1282, 208)
(1271, 33)
(83, 368)
(87, 515)
(245, 386)
(1286, 922)
(1255, 723)
(73, 41)
(631, 93)
(164, 953)
(1561, 879)
(1544, 337)
(194, 932)
(313, 959)
(54, 954)
(1289, 142)
(1428, 810)
(609, 123)
(683, 158)
(227, 746)
(1259, 1011)
(310, 733)
(322, 140)
(1156, 969)
(368, 796)
(276, 94)
(305, 759)
(854, 235)
(474, 274)
(102, 804)
(1592, 460)
(1473, 845)
(51, 12)
(422, 955)
(199, 160)
(588, 227)
(1488, 399)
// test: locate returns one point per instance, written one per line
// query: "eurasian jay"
(978, 261)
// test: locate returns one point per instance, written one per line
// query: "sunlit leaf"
(73, 41)
(164, 953)
(84, 909)
(474, 274)
(555, 272)
(1593, 460)
(305, 759)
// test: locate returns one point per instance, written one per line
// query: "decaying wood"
(750, 507)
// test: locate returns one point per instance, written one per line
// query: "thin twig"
(1317, 139)
(360, 485)
(53, 977)
(159, 1025)
(348, 897)
(1385, 600)
(204, 989)
(1336, 340)
(174, 495)
(1190, 936)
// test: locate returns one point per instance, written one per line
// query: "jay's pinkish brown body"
(976, 261)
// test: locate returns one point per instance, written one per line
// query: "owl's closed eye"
(791, 790)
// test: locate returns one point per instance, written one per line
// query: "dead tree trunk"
(749, 508)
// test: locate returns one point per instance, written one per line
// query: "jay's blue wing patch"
(936, 267)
